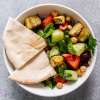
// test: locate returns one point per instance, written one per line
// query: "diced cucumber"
(54, 51)
(70, 75)
(57, 35)
(77, 48)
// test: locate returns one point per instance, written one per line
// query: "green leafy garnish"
(50, 43)
(91, 43)
(41, 33)
(36, 30)
(49, 33)
(67, 39)
(60, 71)
(48, 27)
(62, 46)
(48, 30)
(50, 83)
(66, 32)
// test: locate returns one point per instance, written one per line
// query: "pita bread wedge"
(36, 71)
(21, 43)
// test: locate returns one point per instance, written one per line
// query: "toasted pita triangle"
(36, 71)
(21, 43)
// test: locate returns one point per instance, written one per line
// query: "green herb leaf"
(41, 33)
(91, 43)
(36, 30)
(66, 32)
(50, 43)
(50, 83)
(67, 39)
(60, 71)
(48, 30)
(48, 27)
(49, 33)
(62, 46)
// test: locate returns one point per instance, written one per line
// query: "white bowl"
(45, 9)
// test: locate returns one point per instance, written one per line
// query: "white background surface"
(90, 9)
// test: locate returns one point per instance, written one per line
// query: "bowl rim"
(93, 60)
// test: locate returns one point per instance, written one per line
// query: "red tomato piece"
(72, 60)
(47, 20)
(59, 79)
